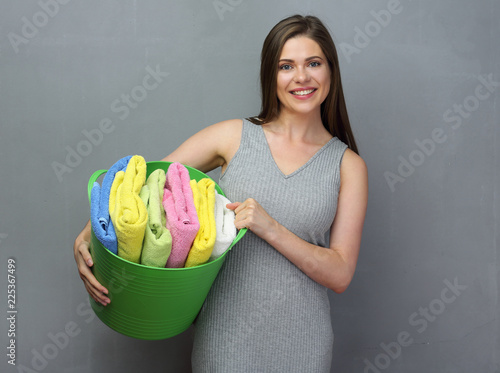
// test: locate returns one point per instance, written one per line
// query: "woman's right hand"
(84, 262)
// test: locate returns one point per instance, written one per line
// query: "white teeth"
(303, 93)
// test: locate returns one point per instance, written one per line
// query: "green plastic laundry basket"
(147, 302)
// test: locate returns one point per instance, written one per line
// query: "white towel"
(224, 225)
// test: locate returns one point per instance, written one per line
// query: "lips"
(302, 91)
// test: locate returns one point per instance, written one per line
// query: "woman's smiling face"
(303, 76)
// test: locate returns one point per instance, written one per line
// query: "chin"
(303, 110)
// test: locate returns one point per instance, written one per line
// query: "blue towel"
(99, 207)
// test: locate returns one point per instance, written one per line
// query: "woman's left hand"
(250, 214)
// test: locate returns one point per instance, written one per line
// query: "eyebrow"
(307, 59)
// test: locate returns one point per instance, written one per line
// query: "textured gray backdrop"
(84, 83)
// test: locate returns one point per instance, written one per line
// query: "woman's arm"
(212, 147)
(332, 267)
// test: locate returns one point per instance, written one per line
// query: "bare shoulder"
(226, 136)
(227, 129)
(221, 136)
(353, 168)
(230, 123)
(211, 147)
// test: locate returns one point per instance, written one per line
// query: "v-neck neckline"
(296, 171)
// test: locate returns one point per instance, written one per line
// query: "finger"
(243, 223)
(249, 204)
(94, 288)
(242, 220)
(240, 225)
(85, 271)
(83, 249)
(96, 296)
(87, 275)
(233, 205)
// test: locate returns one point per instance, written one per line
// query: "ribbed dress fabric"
(262, 313)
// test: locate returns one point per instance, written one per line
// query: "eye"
(315, 64)
(286, 67)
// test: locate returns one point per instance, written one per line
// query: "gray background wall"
(414, 78)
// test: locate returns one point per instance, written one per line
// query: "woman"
(300, 188)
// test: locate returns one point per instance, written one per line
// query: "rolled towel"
(204, 201)
(224, 224)
(99, 207)
(157, 239)
(127, 211)
(182, 220)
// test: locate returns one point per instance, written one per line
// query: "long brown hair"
(333, 109)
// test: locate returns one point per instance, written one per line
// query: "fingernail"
(89, 262)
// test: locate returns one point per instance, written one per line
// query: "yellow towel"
(127, 210)
(204, 202)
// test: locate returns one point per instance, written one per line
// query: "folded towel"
(99, 207)
(182, 220)
(204, 201)
(157, 239)
(127, 211)
(224, 224)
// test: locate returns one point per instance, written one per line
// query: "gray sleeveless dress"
(263, 314)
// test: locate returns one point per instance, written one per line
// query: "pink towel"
(182, 220)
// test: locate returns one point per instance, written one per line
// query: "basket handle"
(240, 234)
(93, 179)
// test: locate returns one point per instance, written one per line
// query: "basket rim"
(240, 234)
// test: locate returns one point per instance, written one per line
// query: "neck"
(299, 126)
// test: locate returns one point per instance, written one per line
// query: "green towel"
(157, 243)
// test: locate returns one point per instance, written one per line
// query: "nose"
(301, 75)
